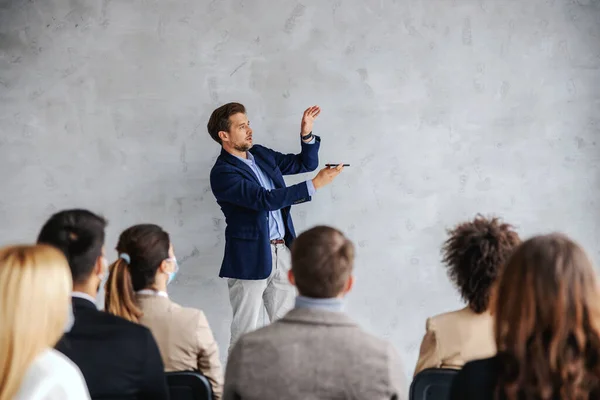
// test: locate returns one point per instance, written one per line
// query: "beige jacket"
(456, 337)
(313, 354)
(184, 338)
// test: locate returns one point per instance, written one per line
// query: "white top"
(52, 376)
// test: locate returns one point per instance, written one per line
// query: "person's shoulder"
(187, 313)
(448, 318)
(376, 344)
(122, 325)
(259, 149)
(53, 363)
(52, 375)
(219, 164)
(266, 335)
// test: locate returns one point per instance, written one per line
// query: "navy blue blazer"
(246, 204)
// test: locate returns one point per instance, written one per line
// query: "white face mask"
(103, 276)
(104, 272)
(175, 269)
(70, 318)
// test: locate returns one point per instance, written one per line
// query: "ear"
(98, 267)
(291, 277)
(163, 267)
(349, 284)
(224, 136)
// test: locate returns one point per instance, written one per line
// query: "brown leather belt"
(278, 241)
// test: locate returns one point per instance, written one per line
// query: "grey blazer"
(313, 354)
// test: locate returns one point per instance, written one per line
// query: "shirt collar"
(84, 296)
(151, 292)
(330, 304)
(249, 160)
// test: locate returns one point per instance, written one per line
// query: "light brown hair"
(547, 315)
(322, 262)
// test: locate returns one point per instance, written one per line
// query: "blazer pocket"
(248, 233)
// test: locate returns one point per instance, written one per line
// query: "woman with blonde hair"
(137, 290)
(35, 290)
(547, 328)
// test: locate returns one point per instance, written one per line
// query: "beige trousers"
(248, 297)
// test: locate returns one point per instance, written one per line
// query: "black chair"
(432, 384)
(188, 385)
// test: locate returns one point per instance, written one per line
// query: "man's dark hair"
(79, 234)
(322, 262)
(474, 254)
(219, 119)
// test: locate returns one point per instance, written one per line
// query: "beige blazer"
(456, 337)
(184, 338)
(313, 354)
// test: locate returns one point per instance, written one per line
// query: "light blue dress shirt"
(276, 225)
(333, 304)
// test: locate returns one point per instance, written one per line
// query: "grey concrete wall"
(444, 108)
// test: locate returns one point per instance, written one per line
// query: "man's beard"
(242, 147)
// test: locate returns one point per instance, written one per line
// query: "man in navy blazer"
(247, 182)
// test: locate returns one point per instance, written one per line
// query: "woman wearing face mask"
(137, 290)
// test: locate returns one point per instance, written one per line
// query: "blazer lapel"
(239, 164)
(276, 177)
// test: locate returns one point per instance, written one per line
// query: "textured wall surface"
(444, 108)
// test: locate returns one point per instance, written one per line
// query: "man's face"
(240, 134)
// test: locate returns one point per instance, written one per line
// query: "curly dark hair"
(473, 254)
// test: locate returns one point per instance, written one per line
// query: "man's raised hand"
(308, 118)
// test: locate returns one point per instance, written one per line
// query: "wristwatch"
(306, 138)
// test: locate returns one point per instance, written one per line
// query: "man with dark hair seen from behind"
(316, 350)
(118, 359)
(247, 182)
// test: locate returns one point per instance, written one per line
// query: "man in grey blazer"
(316, 351)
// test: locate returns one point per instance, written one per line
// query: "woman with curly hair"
(547, 327)
(473, 254)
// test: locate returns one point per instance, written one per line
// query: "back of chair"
(188, 385)
(432, 384)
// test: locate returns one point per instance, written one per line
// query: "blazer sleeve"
(397, 377)
(208, 356)
(429, 354)
(232, 373)
(229, 185)
(154, 381)
(306, 161)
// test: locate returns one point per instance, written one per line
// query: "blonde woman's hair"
(35, 288)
